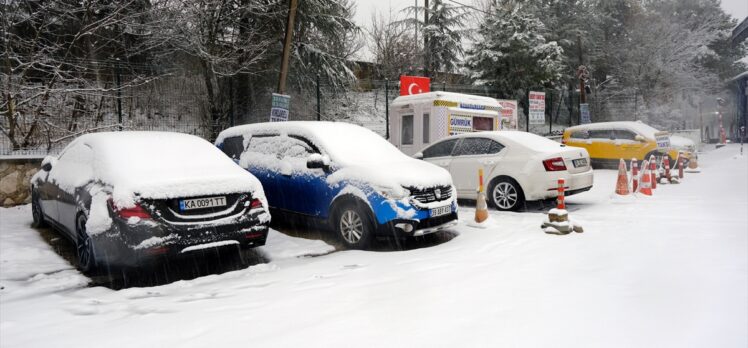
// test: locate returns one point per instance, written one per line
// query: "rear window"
(233, 146)
(441, 149)
(601, 134)
(624, 135)
(580, 134)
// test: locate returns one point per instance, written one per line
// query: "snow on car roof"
(638, 126)
(526, 139)
(344, 142)
(163, 165)
(363, 154)
(448, 96)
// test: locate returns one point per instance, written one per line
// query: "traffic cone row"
(645, 182)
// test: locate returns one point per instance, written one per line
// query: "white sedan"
(518, 166)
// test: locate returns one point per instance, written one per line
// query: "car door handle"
(488, 163)
(442, 164)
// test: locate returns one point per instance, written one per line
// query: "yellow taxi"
(608, 142)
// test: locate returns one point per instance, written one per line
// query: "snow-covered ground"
(664, 271)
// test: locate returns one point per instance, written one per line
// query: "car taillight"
(256, 203)
(554, 164)
(126, 213)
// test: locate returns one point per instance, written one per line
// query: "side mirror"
(48, 162)
(317, 161)
(418, 155)
(640, 138)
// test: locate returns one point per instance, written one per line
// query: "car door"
(470, 155)
(603, 144)
(262, 159)
(307, 190)
(440, 153)
(48, 192)
(76, 165)
(629, 147)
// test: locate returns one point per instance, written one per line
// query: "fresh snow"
(155, 165)
(668, 270)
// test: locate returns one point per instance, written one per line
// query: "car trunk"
(198, 209)
(576, 160)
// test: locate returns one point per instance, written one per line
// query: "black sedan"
(125, 198)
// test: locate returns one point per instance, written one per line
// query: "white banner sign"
(279, 108)
(537, 107)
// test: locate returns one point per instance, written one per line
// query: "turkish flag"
(414, 85)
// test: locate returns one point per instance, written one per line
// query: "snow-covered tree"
(442, 35)
(511, 53)
(392, 44)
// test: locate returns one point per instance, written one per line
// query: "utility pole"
(426, 47)
(415, 14)
(119, 96)
(583, 74)
(287, 46)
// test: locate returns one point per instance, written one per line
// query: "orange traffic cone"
(622, 186)
(666, 164)
(646, 187)
(653, 171)
(560, 202)
(680, 165)
(481, 208)
(634, 175)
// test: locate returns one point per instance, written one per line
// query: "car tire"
(36, 212)
(84, 246)
(353, 225)
(505, 194)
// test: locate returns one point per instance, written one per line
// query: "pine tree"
(512, 54)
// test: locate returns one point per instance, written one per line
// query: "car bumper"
(574, 183)
(115, 249)
(417, 228)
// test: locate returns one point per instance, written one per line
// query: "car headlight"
(396, 193)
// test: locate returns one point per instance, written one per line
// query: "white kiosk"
(420, 119)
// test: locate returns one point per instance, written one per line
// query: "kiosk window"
(426, 128)
(482, 123)
(406, 130)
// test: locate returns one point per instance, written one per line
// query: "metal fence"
(177, 101)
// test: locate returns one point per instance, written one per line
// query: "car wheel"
(37, 213)
(85, 247)
(505, 194)
(354, 226)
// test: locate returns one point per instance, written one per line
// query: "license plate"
(441, 211)
(582, 162)
(202, 203)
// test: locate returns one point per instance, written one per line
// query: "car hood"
(406, 173)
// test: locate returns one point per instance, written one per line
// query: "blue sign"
(584, 112)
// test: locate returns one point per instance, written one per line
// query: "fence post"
(550, 119)
(527, 111)
(319, 108)
(119, 95)
(231, 100)
(387, 109)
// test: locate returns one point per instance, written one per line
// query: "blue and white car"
(346, 176)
